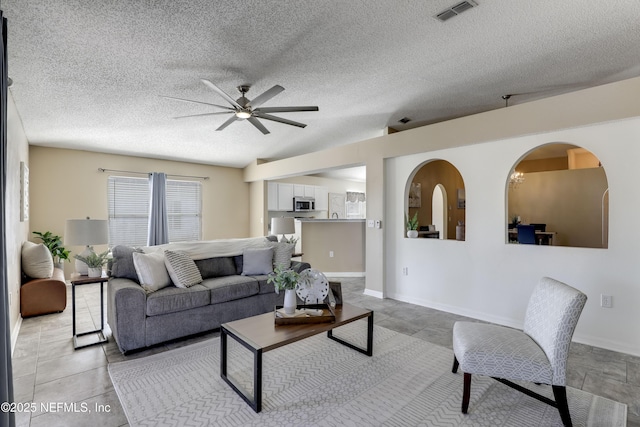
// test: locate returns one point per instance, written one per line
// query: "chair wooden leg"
(466, 392)
(560, 394)
(455, 365)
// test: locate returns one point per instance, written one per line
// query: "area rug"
(319, 382)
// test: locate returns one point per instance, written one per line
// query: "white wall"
(16, 231)
(485, 278)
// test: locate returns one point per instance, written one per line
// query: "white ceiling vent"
(455, 10)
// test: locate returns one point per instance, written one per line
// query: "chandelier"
(516, 179)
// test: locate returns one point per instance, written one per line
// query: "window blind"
(128, 204)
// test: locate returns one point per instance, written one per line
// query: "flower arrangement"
(283, 278)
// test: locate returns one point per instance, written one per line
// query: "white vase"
(95, 271)
(289, 301)
(412, 234)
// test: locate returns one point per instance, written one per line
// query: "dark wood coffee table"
(260, 334)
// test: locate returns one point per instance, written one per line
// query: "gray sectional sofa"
(139, 318)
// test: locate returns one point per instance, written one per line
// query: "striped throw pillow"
(182, 269)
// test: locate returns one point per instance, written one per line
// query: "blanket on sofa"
(211, 248)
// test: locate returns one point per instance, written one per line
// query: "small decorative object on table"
(412, 225)
(94, 262)
(286, 280)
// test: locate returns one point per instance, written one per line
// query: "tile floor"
(46, 369)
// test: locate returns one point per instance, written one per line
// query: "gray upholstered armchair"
(536, 354)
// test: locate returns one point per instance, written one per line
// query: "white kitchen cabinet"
(272, 196)
(321, 195)
(298, 190)
(309, 191)
(285, 197)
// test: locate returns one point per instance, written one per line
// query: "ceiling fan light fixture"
(243, 114)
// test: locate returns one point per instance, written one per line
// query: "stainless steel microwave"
(304, 204)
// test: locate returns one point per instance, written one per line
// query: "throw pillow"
(122, 265)
(256, 261)
(216, 267)
(282, 252)
(182, 269)
(37, 261)
(152, 273)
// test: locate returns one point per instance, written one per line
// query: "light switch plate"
(378, 223)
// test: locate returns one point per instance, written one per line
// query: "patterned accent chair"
(536, 354)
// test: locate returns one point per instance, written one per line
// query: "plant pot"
(412, 234)
(95, 271)
(290, 301)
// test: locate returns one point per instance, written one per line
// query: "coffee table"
(260, 334)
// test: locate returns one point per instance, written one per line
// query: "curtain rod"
(148, 173)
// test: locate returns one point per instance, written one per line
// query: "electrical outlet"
(370, 223)
(606, 301)
(405, 271)
(330, 254)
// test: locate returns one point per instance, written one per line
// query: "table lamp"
(85, 232)
(283, 226)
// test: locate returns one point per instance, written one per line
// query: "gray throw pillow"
(256, 261)
(282, 252)
(216, 267)
(182, 269)
(122, 265)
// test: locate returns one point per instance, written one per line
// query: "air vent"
(455, 10)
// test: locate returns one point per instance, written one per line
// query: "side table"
(100, 337)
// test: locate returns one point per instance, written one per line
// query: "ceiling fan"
(248, 109)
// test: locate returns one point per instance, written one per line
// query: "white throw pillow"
(282, 252)
(257, 261)
(37, 261)
(182, 269)
(151, 271)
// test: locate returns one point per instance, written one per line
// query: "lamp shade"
(283, 225)
(84, 232)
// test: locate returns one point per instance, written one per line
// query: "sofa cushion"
(122, 265)
(257, 261)
(263, 286)
(182, 269)
(282, 252)
(230, 288)
(172, 299)
(152, 273)
(37, 262)
(216, 267)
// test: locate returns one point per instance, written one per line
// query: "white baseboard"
(344, 274)
(14, 334)
(371, 293)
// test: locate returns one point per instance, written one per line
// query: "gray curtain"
(6, 384)
(158, 223)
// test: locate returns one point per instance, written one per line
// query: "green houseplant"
(54, 243)
(287, 280)
(412, 225)
(94, 262)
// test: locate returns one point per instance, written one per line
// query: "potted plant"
(412, 225)
(287, 280)
(54, 244)
(94, 262)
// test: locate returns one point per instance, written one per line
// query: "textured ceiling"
(89, 74)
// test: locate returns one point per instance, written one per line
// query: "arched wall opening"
(562, 190)
(419, 197)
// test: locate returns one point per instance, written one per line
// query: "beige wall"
(258, 217)
(67, 184)
(16, 231)
(568, 201)
(345, 239)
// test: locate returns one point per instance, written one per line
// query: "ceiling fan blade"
(204, 114)
(228, 122)
(285, 109)
(197, 102)
(279, 119)
(265, 96)
(222, 93)
(259, 125)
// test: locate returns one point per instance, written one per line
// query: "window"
(128, 204)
